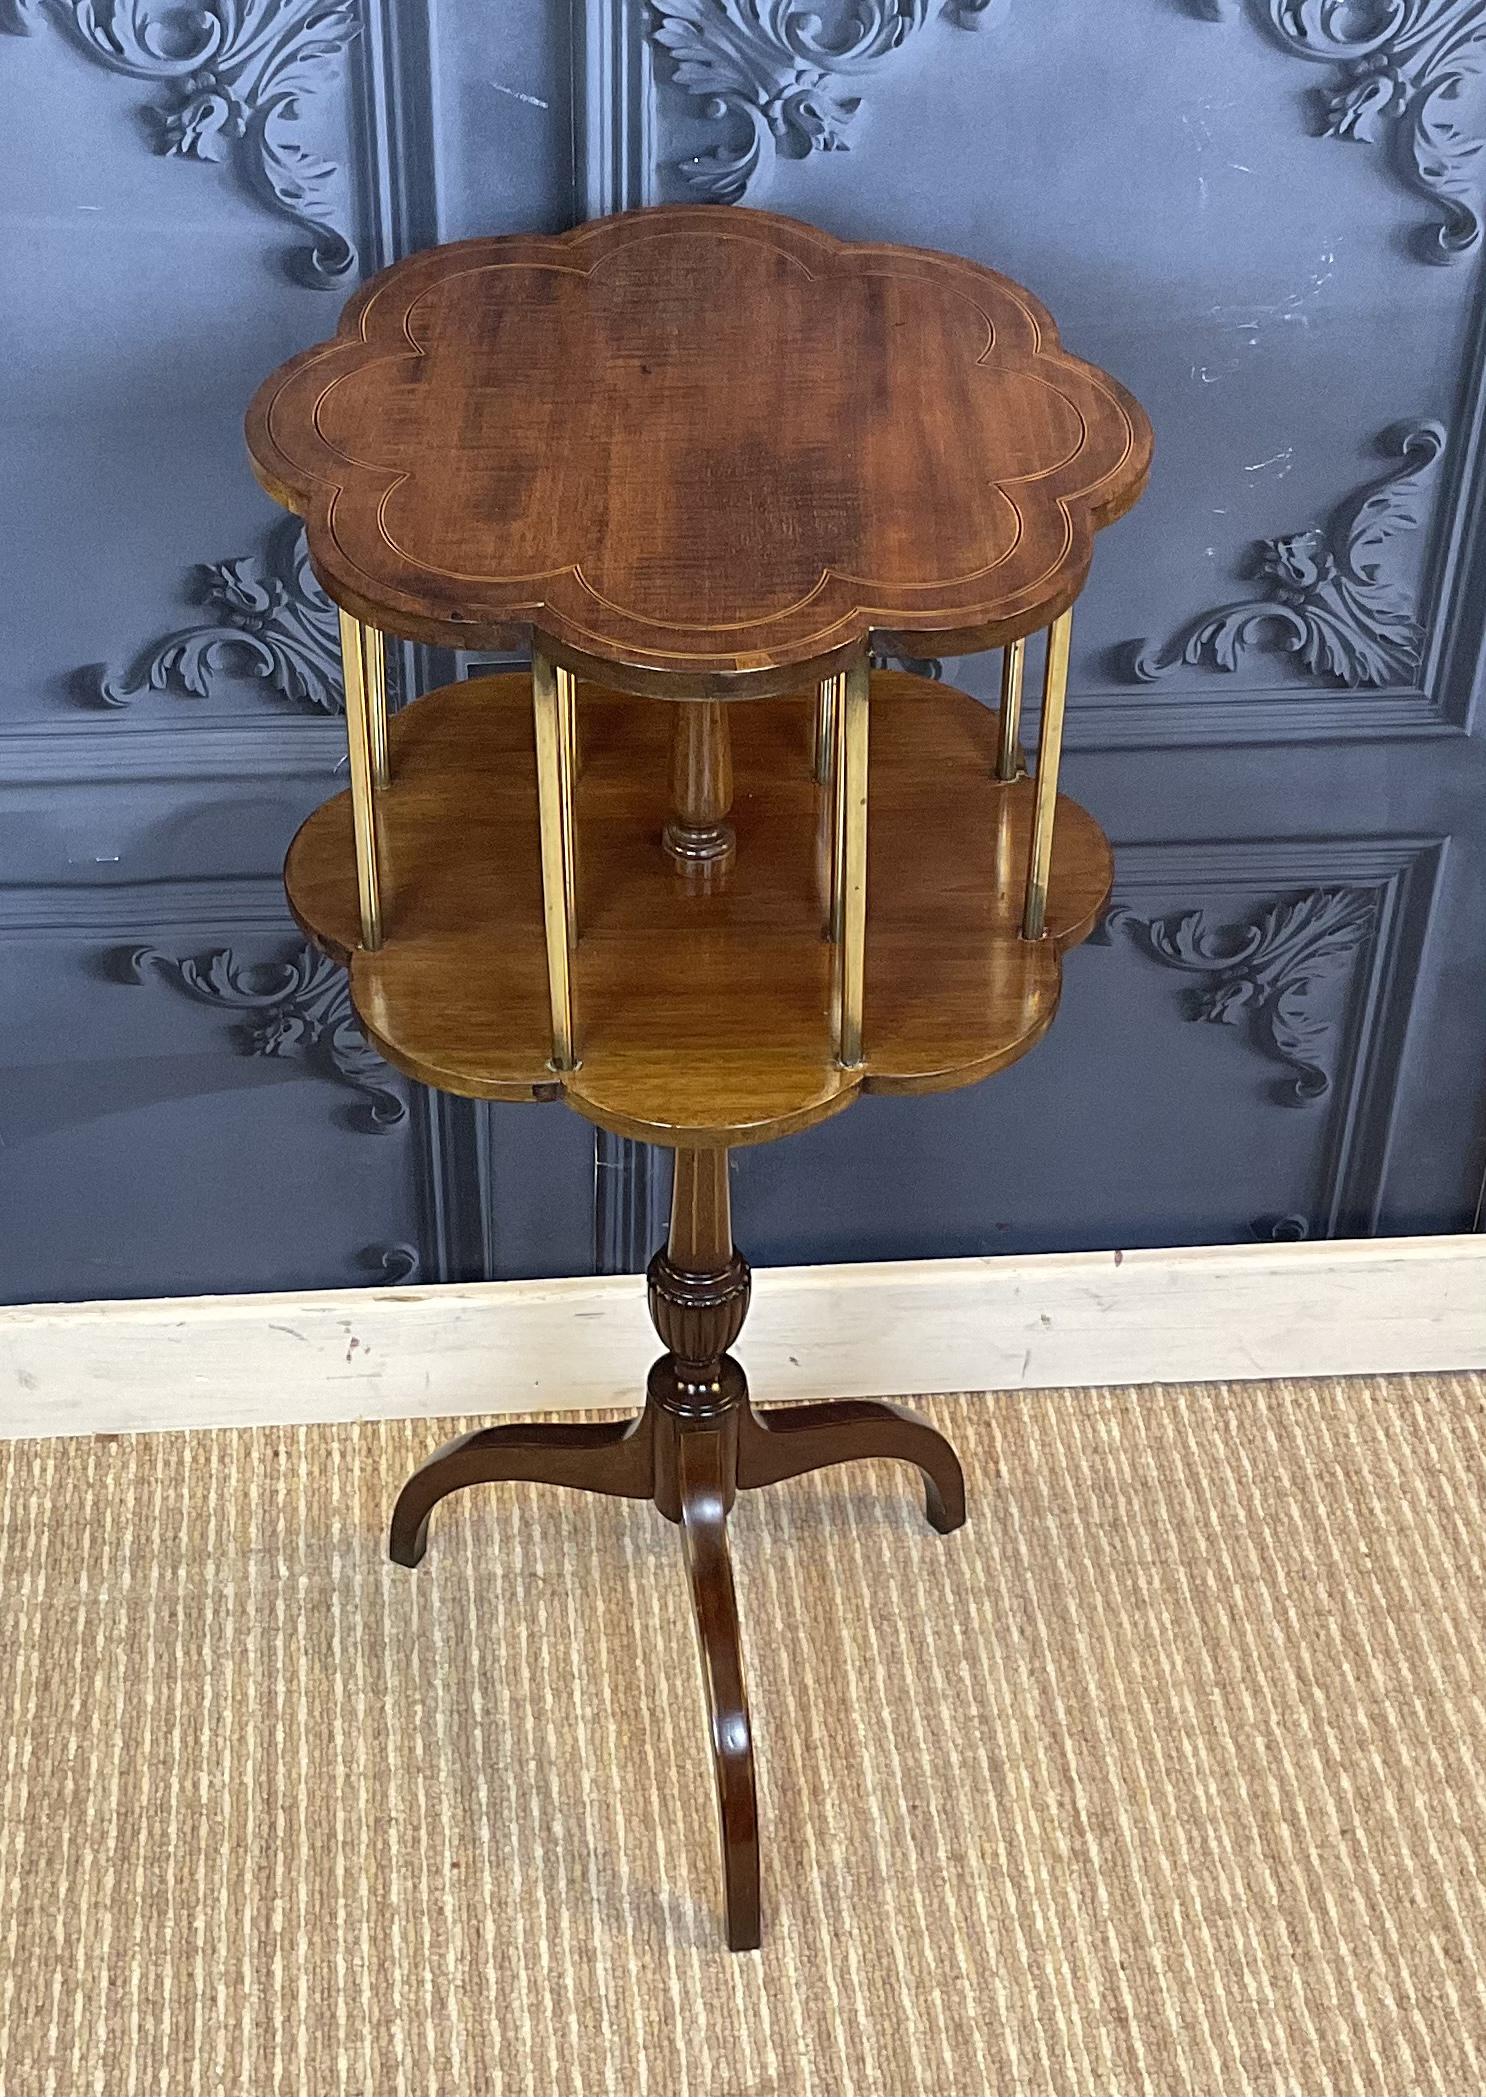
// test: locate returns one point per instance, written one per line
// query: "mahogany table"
(701, 456)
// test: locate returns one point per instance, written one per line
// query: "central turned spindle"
(697, 834)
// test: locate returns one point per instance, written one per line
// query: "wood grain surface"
(702, 1011)
(701, 451)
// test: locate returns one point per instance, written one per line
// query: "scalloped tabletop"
(699, 450)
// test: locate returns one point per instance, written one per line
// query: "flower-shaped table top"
(698, 449)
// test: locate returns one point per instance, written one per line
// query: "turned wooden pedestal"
(695, 1444)
(698, 456)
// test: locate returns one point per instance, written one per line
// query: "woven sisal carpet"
(1164, 1775)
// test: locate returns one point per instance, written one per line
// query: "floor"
(1164, 1774)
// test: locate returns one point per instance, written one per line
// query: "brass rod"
(567, 723)
(827, 705)
(354, 665)
(553, 807)
(572, 712)
(1049, 755)
(374, 652)
(1009, 761)
(837, 841)
(851, 877)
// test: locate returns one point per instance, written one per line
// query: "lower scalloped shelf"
(702, 1012)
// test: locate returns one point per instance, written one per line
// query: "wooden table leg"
(606, 1456)
(704, 1497)
(696, 1443)
(789, 1440)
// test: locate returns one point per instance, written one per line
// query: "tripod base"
(695, 1444)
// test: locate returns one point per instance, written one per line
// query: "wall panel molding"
(454, 1157)
(631, 1202)
(1185, 717)
(1330, 596)
(1449, 611)
(296, 1005)
(75, 751)
(267, 619)
(396, 157)
(1398, 71)
(1263, 969)
(250, 911)
(234, 79)
(457, 1156)
(94, 922)
(614, 108)
(1269, 927)
(1355, 614)
(171, 904)
(782, 76)
(391, 1266)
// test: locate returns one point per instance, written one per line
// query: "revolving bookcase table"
(699, 459)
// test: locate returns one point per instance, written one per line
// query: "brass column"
(827, 708)
(1009, 763)
(1049, 756)
(552, 719)
(849, 877)
(375, 656)
(364, 670)
(567, 728)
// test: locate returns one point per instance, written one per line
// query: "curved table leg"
(704, 1536)
(609, 1456)
(787, 1441)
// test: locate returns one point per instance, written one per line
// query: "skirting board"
(1364, 1306)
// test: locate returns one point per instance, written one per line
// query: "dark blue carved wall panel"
(188, 197)
(1265, 215)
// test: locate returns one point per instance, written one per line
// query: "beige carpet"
(1164, 1775)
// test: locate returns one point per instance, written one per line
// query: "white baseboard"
(1199, 1313)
